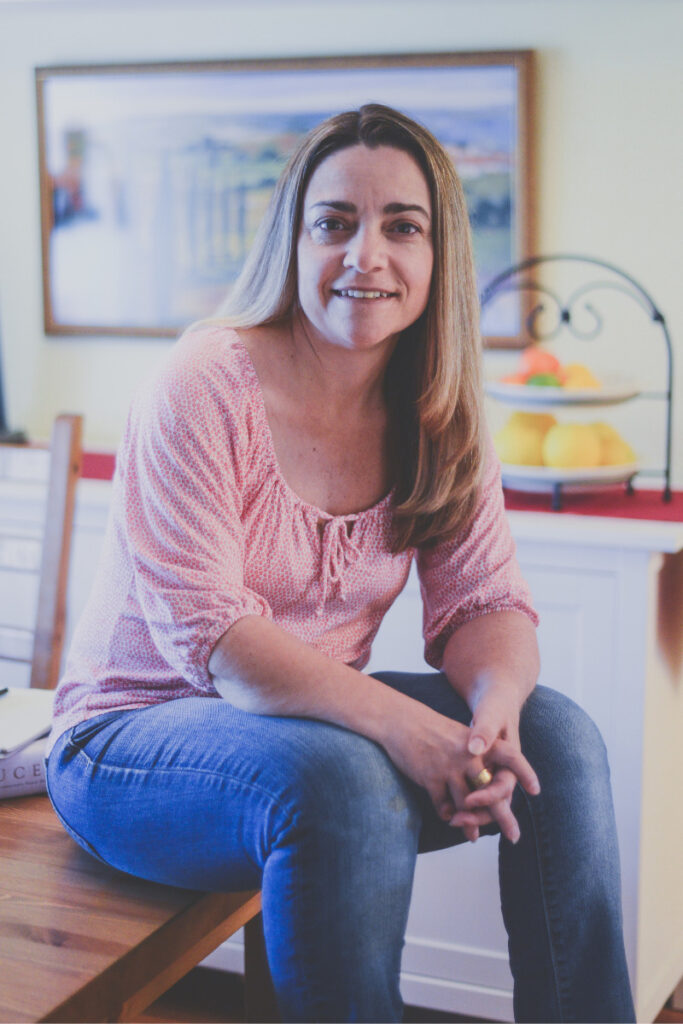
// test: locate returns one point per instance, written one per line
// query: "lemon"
(605, 431)
(576, 376)
(572, 446)
(536, 360)
(519, 444)
(615, 451)
(541, 421)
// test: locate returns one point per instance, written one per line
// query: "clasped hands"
(444, 756)
(493, 742)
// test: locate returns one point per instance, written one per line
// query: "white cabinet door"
(577, 633)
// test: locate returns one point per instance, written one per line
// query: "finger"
(506, 821)
(471, 833)
(477, 778)
(505, 755)
(443, 802)
(489, 723)
(501, 788)
(479, 817)
(446, 810)
(458, 790)
(483, 735)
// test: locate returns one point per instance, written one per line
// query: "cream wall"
(610, 152)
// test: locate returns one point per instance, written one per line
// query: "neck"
(342, 378)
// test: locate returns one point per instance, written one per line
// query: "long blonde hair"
(433, 381)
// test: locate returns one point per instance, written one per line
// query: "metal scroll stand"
(516, 279)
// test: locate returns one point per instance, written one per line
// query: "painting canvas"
(155, 177)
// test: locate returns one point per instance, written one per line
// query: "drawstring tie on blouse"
(338, 553)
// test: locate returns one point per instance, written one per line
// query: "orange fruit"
(535, 360)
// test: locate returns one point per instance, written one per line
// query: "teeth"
(356, 293)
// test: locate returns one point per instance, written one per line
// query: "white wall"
(610, 151)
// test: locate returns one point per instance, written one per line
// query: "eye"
(329, 224)
(406, 227)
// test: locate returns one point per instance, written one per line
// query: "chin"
(353, 336)
(364, 342)
(363, 336)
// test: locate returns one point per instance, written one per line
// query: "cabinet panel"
(455, 932)
(577, 636)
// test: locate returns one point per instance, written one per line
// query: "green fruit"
(545, 380)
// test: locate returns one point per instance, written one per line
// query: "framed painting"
(154, 177)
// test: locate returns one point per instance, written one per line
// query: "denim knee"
(346, 782)
(568, 753)
(561, 737)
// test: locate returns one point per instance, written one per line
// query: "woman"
(213, 728)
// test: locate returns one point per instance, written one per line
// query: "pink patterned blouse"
(204, 529)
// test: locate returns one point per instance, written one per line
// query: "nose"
(366, 250)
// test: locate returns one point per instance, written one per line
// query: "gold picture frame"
(154, 176)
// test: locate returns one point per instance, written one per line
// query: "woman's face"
(364, 254)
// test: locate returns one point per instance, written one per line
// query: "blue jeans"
(196, 793)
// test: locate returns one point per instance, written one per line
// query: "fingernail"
(476, 745)
(515, 836)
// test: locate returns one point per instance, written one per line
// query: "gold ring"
(481, 780)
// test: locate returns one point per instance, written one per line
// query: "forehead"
(359, 172)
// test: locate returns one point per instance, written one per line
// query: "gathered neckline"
(320, 513)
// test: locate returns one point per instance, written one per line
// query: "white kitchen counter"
(644, 535)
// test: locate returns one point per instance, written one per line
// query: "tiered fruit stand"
(547, 316)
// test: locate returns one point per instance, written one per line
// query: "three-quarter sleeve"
(474, 573)
(181, 469)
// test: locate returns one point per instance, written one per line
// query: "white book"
(25, 716)
(23, 773)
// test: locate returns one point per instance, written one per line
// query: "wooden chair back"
(34, 555)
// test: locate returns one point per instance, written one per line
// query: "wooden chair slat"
(65, 468)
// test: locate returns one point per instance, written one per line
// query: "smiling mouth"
(363, 293)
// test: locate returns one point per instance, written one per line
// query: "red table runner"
(98, 465)
(613, 501)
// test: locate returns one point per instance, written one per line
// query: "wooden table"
(82, 942)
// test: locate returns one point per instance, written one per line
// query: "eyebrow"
(344, 207)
